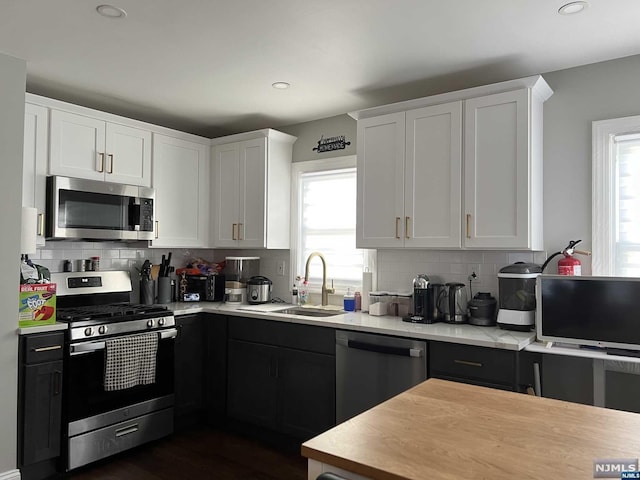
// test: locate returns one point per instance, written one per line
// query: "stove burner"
(107, 313)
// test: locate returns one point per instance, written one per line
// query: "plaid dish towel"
(130, 361)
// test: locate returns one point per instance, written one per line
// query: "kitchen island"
(444, 430)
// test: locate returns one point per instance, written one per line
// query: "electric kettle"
(457, 303)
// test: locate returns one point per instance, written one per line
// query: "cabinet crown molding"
(536, 83)
(264, 133)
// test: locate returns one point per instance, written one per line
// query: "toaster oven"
(203, 288)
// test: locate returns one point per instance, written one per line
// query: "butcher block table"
(448, 430)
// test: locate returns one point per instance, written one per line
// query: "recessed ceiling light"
(281, 85)
(573, 8)
(110, 11)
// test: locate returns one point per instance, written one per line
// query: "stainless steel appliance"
(424, 301)
(237, 271)
(208, 288)
(372, 368)
(258, 290)
(482, 310)
(517, 292)
(78, 208)
(456, 303)
(99, 421)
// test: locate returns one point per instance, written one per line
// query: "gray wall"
(13, 80)
(309, 133)
(581, 96)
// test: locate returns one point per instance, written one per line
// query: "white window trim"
(335, 163)
(603, 184)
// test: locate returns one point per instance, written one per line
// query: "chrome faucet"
(325, 291)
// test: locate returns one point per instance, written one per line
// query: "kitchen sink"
(310, 312)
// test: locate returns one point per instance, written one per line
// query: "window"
(324, 220)
(616, 197)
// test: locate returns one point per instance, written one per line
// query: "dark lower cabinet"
(216, 368)
(281, 376)
(567, 378)
(252, 383)
(39, 403)
(489, 367)
(306, 392)
(190, 348)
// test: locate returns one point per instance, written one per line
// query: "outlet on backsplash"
(282, 268)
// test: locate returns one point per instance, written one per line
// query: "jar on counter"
(95, 264)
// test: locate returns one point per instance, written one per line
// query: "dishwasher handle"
(386, 349)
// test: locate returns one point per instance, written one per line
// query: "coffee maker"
(424, 302)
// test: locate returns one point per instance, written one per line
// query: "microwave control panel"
(141, 214)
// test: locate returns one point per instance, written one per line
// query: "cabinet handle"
(233, 231)
(57, 382)
(47, 349)
(467, 363)
(101, 167)
(110, 163)
(121, 432)
(406, 227)
(468, 222)
(397, 228)
(157, 228)
(239, 231)
(41, 224)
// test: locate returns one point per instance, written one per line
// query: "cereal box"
(37, 304)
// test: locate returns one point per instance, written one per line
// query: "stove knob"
(161, 321)
(150, 323)
(88, 331)
(102, 330)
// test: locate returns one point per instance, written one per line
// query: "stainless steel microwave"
(89, 209)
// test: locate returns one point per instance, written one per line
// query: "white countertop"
(493, 337)
(41, 328)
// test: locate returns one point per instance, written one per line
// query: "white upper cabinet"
(91, 148)
(181, 173)
(251, 190)
(34, 173)
(432, 176)
(457, 170)
(409, 178)
(380, 178)
(501, 175)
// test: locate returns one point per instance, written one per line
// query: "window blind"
(327, 222)
(627, 206)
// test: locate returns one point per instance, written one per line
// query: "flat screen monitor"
(591, 311)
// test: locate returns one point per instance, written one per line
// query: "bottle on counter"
(358, 299)
(349, 301)
(294, 294)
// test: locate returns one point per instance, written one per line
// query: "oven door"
(84, 392)
(78, 208)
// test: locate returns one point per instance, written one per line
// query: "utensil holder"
(164, 290)
(147, 291)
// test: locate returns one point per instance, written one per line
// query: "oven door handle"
(88, 347)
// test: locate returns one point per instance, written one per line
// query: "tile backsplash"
(396, 268)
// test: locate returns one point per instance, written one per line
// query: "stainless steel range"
(119, 363)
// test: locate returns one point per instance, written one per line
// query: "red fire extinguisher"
(568, 265)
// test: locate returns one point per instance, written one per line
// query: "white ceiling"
(206, 66)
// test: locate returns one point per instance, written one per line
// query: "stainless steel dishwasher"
(372, 368)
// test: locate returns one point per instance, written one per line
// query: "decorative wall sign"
(331, 143)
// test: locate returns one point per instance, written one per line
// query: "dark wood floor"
(201, 453)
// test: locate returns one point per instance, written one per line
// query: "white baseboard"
(10, 475)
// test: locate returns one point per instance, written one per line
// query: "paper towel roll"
(367, 286)
(29, 230)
